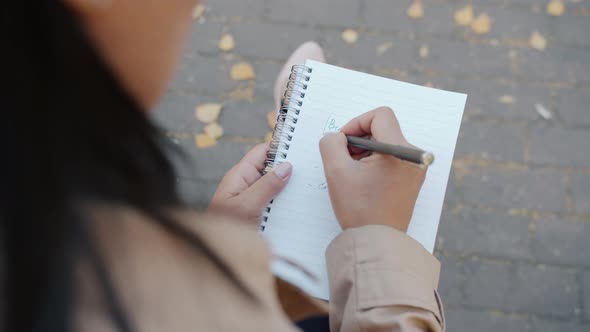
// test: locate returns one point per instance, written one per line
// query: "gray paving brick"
(573, 30)
(196, 194)
(508, 188)
(460, 320)
(586, 294)
(342, 13)
(559, 240)
(391, 16)
(232, 8)
(555, 64)
(472, 231)
(461, 58)
(402, 54)
(521, 288)
(451, 280)
(546, 325)
(203, 75)
(503, 142)
(453, 193)
(574, 106)
(266, 74)
(246, 119)
(560, 146)
(269, 41)
(516, 25)
(176, 112)
(204, 39)
(210, 164)
(484, 99)
(581, 193)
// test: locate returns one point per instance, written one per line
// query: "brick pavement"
(514, 232)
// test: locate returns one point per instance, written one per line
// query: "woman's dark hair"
(69, 135)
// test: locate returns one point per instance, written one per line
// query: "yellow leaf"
(213, 130)
(204, 141)
(382, 48)
(350, 36)
(242, 71)
(271, 118)
(227, 42)
(198, 11)
(428, 84)
(416, 10)
(555, 8)
(537, 41)
(424, 51)
(506, 99)
(464, 16)
(208, 113)
(481, 24)
(268, 137)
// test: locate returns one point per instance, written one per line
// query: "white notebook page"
(301, 222)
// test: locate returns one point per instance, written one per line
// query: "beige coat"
(380, 279)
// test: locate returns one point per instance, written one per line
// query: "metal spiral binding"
(286, 121)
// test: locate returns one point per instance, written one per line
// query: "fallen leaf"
(198, 11)
(481, 24)
(416, 10)
(543, 112)
(208, 113)
(350, 36)
(464, 16)
(555, 8)
(384, 47)
(242, 71)
(506, 99)
(429, 84)
(227, 42)
(204, 141)
(537, 41)
(424, 51)
(214, 130)
(268, 137)
(271, 118)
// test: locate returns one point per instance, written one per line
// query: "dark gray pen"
(402, 152)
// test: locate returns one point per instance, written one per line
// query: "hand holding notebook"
(300, 222)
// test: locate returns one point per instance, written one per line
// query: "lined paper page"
(301, 222)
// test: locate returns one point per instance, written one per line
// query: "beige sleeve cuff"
(383, 267)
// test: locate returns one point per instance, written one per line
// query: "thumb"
(334, 150)
(259, 194)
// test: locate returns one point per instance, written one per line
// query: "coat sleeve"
(382, 280)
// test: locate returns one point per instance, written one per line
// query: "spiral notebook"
(299, 223)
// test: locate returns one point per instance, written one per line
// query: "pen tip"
(427, 158)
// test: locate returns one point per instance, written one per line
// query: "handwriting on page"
(333, 124)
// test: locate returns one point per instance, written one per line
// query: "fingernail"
(283, 170)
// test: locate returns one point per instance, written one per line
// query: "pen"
(402, 152)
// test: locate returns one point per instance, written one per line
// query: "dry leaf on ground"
(204, 141)
(464, 16)
(424, 51)
(198, 11)
(227, 42)
(242, 71)
(268, 137)
(271, 118)
(208, 113)
(506, 99)
(384, 47)
(537, 41)
(481, 24)
(214, 130)
(555, 8)
(416, 10)
(350, 36)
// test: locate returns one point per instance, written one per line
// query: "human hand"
(369, 188)
(244, 192)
